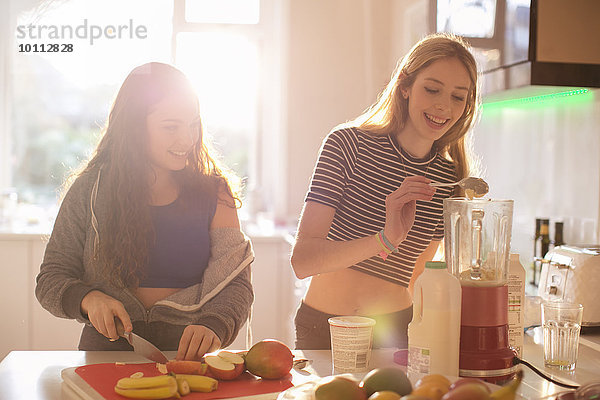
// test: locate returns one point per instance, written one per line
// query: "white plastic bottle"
(516, 303)
(434, 332)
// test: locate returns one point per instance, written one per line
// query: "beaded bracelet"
(386, 246)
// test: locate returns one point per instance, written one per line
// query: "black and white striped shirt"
(354, 174)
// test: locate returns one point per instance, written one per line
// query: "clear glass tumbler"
(561, 323)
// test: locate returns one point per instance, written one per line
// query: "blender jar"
(477, 240)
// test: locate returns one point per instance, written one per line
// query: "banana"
(199, 383)
(183, 387)
(508, 392)
(160, 392)
(145, 382)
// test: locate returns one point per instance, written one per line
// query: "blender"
(477, 248)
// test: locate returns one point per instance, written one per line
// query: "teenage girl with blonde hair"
(371, 219)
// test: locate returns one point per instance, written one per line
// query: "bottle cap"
(435, 264)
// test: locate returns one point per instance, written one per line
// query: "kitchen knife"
(140, 345)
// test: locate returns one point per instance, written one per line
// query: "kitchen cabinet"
(277, 292)
(14, 296)
(27, 326)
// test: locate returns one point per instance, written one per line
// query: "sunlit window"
(222, 11)
(224, 70)
(61, 99)
(470, 18)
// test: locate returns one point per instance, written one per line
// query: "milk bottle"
(434, 332)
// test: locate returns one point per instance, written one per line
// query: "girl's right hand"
(101, 310)
(401, 206)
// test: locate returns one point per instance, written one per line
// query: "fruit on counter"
(186, 367)
(269, 359)
(199, 383)
(225, 365)
(432, 386)
(162, 392)
(468, 391)
(437, 378)
(157, 387)
(509, 391)
(432, 390)
(413, 397)
(388, 378)
(474, 389)
(162, 368)
(236, 358)
(339, 388)
(385, 395)
(463, 381)
(183, 387)
(145, 383)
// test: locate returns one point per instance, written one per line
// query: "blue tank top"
(179, 255)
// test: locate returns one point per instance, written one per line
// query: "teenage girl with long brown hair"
(371, 218)
(148, 232)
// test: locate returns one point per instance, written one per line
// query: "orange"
(432, 390)
(385, 395)
(434, 378)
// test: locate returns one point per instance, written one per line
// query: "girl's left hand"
(196, 341)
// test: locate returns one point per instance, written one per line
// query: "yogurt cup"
(351, 343)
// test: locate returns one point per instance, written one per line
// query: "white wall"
(546, 157)
(341, 54)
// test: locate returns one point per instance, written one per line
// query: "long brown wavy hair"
(121, 156)
(389, 114)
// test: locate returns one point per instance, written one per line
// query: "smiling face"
(173, 128)
(436, 100)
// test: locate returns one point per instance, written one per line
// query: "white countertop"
(35, 375)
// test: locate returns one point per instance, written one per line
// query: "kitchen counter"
(35, 375)
(587, 369)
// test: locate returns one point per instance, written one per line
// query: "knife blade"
(140, 345)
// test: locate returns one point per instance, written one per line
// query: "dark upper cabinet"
(522, 43)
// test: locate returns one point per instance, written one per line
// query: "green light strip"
(545, 98)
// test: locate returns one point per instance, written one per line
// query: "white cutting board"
(85, 392)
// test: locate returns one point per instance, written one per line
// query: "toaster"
(572, 274)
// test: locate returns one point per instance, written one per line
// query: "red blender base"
(484, 354)
(484, 348)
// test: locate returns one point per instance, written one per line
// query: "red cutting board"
(103, 378)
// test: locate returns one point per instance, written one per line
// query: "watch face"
(468, 18)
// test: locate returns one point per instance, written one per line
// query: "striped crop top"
(354, 174)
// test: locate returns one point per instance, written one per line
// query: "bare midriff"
(149, 296)
(349, 292)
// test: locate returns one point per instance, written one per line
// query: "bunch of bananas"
(164, 386)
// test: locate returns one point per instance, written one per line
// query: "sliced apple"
(234, 358)
(222, 368)
(186, 367)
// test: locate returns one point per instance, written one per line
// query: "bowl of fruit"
(391, 383)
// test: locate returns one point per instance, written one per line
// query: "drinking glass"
(562, 324)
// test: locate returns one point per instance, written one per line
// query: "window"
(60, 100)
(217, 45)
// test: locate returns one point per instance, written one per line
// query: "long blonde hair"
(389, 114)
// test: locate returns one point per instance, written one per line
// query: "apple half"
(225, 365)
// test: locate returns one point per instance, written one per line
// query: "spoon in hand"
(478, 186)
